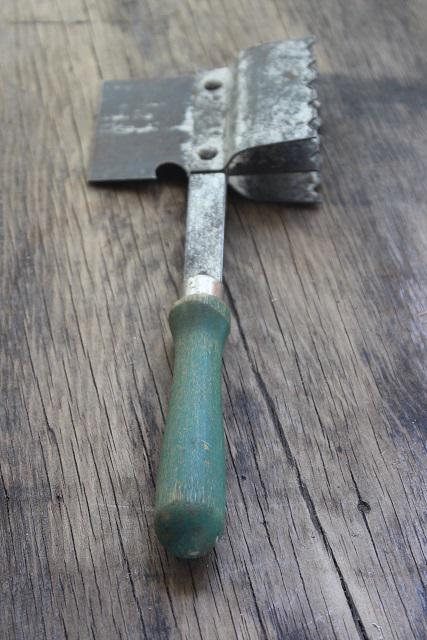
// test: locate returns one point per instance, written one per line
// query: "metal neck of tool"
(204, 240)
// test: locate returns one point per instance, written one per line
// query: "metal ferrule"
(202, 284)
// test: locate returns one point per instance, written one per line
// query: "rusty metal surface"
(204, 237)
(254, 119)
(141, 126)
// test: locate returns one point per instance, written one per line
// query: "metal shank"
(204, 240)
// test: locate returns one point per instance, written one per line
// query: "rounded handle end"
(188, 530)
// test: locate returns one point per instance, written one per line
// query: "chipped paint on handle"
(190, 492)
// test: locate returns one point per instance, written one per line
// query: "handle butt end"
(188, 531)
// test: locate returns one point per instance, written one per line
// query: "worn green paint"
(190, 497)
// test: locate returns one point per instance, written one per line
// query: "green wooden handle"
(190, 492)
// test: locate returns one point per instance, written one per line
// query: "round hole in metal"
(207, 153)
(212, 84)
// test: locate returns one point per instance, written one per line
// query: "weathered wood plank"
(324, 371)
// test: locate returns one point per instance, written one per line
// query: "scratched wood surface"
(324, 372)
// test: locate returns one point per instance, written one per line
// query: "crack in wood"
(294, 465)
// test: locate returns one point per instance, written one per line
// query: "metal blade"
(257, 117)
(142, 126)
(279, 187)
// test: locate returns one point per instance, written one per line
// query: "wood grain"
(324, 371)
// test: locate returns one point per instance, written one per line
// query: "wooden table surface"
(324, 378)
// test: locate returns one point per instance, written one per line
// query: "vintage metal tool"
(253, 126)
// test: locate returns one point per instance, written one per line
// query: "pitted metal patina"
(257, 121)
